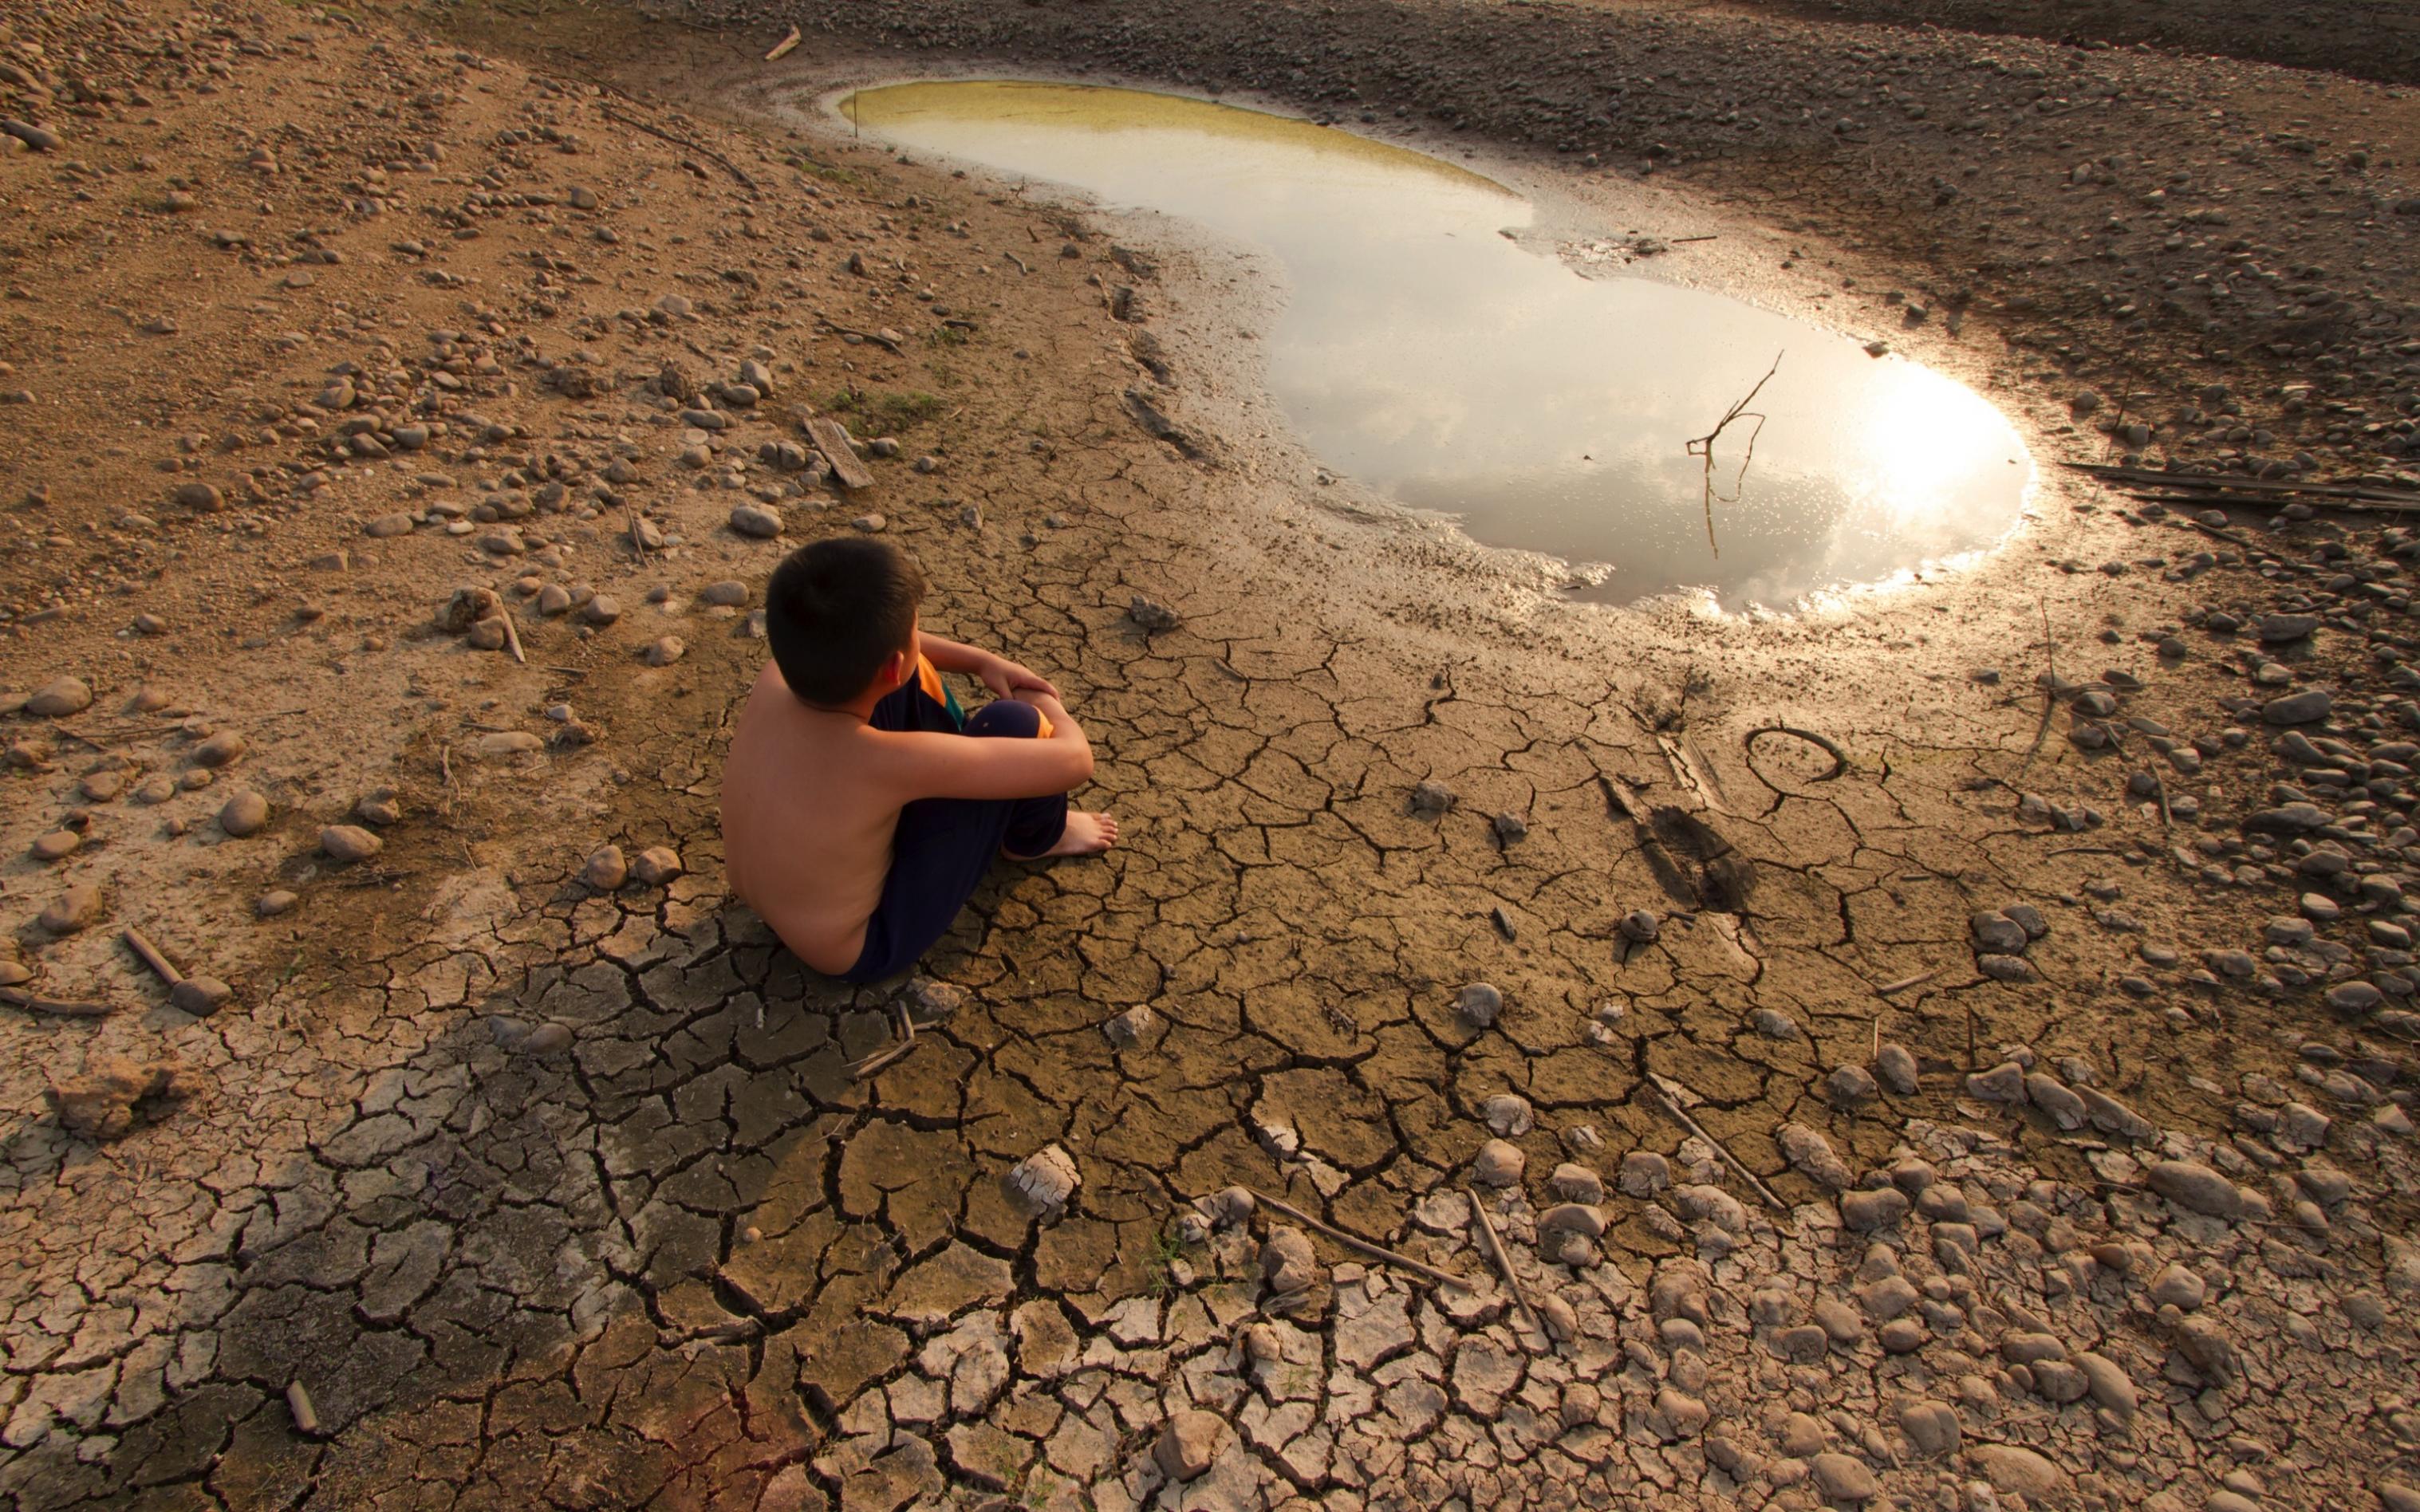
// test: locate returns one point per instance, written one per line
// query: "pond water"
(1422, 352)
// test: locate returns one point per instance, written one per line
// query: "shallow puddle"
(1422, 352)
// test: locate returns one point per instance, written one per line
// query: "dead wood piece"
(1503, 1259)
(782, 49)
(860, 1070)
(1704, 446)
(151, 956)
(1840, 758)
(1357, 1242)
(512, 638)
(833, 441)
(1905, 982)
(66, 1008)
(1667, 1092)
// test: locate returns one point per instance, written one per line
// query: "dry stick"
(151, 956)
(679, 141)
(1378, 1252)
(880, 1058)
(1503, 1262)
(1704, 446)
(1020, 261)
(881, 341)
(512, 638)
(22, 998)
(1905, 982)
(781, 47)
(1672, 1106)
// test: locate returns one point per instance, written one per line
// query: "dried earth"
(2052, 1061)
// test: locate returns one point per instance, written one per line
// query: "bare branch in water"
(1704, 446)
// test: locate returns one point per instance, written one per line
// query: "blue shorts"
(943, 847)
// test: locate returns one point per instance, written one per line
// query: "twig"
(1503, 1260)
(512, 637)
(1357, 1242)
(781, 47)
(1905, 982)
(1658, 1085)
(151, 956)
(638, 540)
(879, 340)
(679, 141)
(68, 1008)
(1683, 241)
(874, 1063)
(1020, 261)
(1704, 446)
(1821, 743)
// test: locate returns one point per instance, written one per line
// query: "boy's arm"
(1004, 677)
(954, 767)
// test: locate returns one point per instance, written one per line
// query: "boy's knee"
(1005, 717)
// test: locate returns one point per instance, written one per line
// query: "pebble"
(1641, 926)
(273, 903)
(602, 609)
(60, 697)
(348, 843)
(656, 864)
(1508, 1114)
(1048, 1178)
(605, 870)
(1479, 1005)
(1151, 614)
(1844, 1478)
(2196, 1188)
(76, 907)
(664, 651)
(2308, 706)
(1128, 1029)
(1511, 828)
(755, 522)
(200, 995)
(1849, 1085)
(55, 845)
(1189, 1443)
(1896, 1065)
(242, 813)
(1431, 797)
(225, 748)
(1498, 1164)
(1643, 1174)
(728, 593)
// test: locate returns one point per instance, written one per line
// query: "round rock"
(348, 843)
(244, 813)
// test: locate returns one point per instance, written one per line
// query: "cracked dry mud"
(491, 1186)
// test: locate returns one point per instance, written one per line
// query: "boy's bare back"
(806, 825)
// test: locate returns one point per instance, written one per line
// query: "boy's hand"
(1006, 679)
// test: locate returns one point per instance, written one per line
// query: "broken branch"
(65, 1006)
(1503, 1259)
(1357, 1242)
(1704, 446)
(1664, 1094)
(151, 956)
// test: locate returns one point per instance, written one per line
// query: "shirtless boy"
(859, 807)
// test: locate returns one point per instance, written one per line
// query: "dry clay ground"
(490, 1185)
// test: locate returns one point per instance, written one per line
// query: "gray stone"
(2308, 706)
(1189, 1443)
(348, 843)
(2196, 1188)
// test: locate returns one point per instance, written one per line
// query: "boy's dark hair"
(837, 610)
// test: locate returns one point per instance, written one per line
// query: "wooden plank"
(833, 441)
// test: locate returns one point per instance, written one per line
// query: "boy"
(859, 807)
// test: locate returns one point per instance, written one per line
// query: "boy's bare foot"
(1086, 834)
